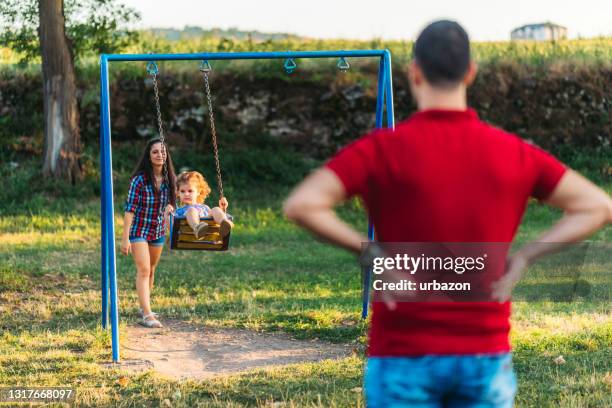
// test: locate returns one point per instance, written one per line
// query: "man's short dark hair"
(442, 50)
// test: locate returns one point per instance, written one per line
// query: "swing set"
(181, 234)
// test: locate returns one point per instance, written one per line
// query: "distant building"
(539, 32)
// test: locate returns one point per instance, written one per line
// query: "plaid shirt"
(148, 208)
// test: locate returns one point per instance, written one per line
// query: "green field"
(276, 277)
(596, 50)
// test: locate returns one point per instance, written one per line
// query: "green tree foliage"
(92, 26)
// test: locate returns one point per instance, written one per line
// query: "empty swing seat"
(182, 236)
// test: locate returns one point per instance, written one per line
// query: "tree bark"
(62, 153)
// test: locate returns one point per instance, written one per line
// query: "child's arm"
(223, 204)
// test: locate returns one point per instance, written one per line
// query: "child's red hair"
(198, 180)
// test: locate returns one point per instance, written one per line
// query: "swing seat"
(183, 238)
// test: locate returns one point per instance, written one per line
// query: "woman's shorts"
(156, 242)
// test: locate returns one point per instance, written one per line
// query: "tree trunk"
(62, 154)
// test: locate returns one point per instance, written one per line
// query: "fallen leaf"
(123, 381)
(166, 403)
(559, 360)
(608, 378)
(357, 389)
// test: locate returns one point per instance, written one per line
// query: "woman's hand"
(168, 210)
(126, 247)
(223, 204)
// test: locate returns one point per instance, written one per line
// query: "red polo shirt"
(444, 176)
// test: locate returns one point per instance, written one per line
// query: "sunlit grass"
(276, 277)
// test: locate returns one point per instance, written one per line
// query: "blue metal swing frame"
(384, 100)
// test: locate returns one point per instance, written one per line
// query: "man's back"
(444, 176)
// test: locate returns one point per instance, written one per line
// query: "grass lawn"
(275, 277)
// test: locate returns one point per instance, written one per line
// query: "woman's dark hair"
(144, 166)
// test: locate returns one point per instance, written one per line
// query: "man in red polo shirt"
(445, 176)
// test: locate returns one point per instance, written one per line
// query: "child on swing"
(192, 191)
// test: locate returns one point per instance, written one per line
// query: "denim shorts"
(156, 242)
(436, 381)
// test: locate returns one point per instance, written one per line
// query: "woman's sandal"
(151, 321)
(141, 315)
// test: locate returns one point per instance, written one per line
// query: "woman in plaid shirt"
(152, 196)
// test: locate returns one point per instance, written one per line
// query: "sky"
(485, 20)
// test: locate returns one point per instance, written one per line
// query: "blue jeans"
(475, 381)
(156, 242)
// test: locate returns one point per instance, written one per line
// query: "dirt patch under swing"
(181, 350)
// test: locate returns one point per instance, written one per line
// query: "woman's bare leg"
(155, 252)
(142, 259)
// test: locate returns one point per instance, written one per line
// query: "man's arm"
(311, 205)
(586, 208)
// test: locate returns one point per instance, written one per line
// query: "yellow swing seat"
(182, 236)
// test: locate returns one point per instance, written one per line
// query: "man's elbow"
(609, 211)
(293, 209)
(604, 211)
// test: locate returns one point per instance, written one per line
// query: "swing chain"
(152, 70)
(213, 133)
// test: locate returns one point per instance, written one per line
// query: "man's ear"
(415, 73)
(470, 75)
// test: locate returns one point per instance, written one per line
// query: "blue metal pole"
(212, 56)
(380, 95)
(380, 100)
(389, 90)
(109, 206)
(104, 258)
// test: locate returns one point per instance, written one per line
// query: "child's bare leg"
(218, 215)
(225, 225)
(193, 218)
(200, 229)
